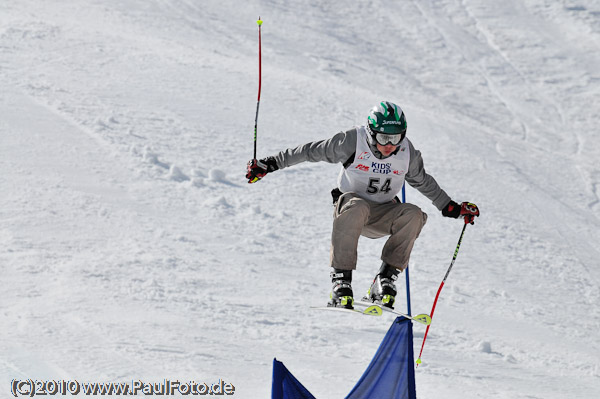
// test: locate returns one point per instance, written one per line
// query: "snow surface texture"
(131, 246)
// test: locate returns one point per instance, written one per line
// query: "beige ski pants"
(355, 216)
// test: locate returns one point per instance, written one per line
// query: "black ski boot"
(341, 292)
(383, 289)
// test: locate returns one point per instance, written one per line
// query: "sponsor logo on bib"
(382, 168)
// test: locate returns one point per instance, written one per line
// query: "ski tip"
(423, 319)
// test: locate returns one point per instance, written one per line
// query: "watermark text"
(175, 388)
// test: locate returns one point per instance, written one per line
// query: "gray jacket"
(341, 148)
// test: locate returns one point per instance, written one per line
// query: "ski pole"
(440, 289)
(259, 22)
(406, 271)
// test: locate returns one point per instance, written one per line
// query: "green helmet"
(387, 119)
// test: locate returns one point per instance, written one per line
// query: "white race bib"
(377, 180)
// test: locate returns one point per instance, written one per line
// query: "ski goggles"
(385, 139)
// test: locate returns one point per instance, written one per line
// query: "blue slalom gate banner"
(390, 375)
(285, 385)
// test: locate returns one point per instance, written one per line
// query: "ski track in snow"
(133, 248)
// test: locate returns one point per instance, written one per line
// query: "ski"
(372, 310)
(420, 318)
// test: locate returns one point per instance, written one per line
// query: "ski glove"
(258, 168)
(466, 209)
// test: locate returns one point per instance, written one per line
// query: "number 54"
(374, 188)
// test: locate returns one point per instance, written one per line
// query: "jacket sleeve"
(422, 181)
(336, 149)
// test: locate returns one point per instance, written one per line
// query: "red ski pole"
(440, 289)
(259, 22)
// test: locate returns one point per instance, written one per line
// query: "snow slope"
(132, 247)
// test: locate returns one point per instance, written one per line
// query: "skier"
(377, 159)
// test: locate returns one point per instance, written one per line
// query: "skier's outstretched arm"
(338, 148)
(418, 178)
